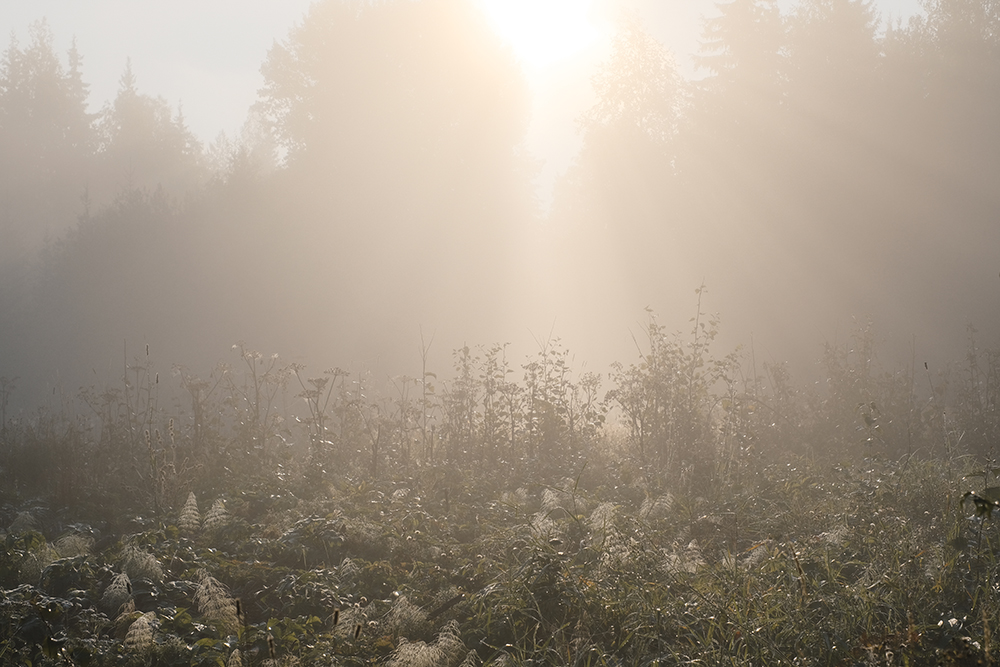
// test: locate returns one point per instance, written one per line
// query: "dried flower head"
(447, 650)
(140, 564)
(117, 594)
(139, 637)
(215, 603)
(189, 520)
(217, 517)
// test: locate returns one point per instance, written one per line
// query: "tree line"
(826, 164)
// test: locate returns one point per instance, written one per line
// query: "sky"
(205, 57)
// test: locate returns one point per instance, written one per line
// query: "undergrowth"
(696, 511)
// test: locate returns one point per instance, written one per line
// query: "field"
(684, 509)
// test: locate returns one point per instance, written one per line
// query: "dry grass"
(139, 638)
(447, 650)
(217, 517)
(117, 594)
(140, 564)
(189, 520)
(215, 604)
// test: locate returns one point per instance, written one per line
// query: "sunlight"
(543, 32)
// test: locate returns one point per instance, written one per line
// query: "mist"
(351, 385)
(819, 172)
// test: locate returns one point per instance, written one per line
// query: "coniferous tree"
(735, 115)
(401, 122)
(46, 142)
(615, 201)
(143, 145)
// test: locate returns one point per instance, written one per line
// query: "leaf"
(983, 506)
(991, 493)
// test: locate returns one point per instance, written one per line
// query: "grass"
(810, 538)
(808, 565)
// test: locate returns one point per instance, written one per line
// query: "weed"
(533, 523)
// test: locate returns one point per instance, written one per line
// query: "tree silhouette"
(401, 122)
(45, 143)
(735, 109)
(142, 144)
(612, 209)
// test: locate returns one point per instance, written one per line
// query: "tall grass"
(695, 510)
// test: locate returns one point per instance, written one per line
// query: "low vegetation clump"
(694, 511)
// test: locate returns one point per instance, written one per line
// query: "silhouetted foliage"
(401, 122)
(690, 506)
(143, 145)
(828, 165)
(46, 142)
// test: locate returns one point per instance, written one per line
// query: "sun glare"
(543, 32)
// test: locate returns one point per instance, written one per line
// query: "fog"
(816, 171)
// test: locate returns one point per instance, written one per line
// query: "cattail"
(448, 604)
(336, 617)
(357, 631)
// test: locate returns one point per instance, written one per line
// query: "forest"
(341, 389)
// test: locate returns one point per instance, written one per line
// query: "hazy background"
(191, 51)
(408, 167)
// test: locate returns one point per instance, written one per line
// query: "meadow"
(688, 508)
